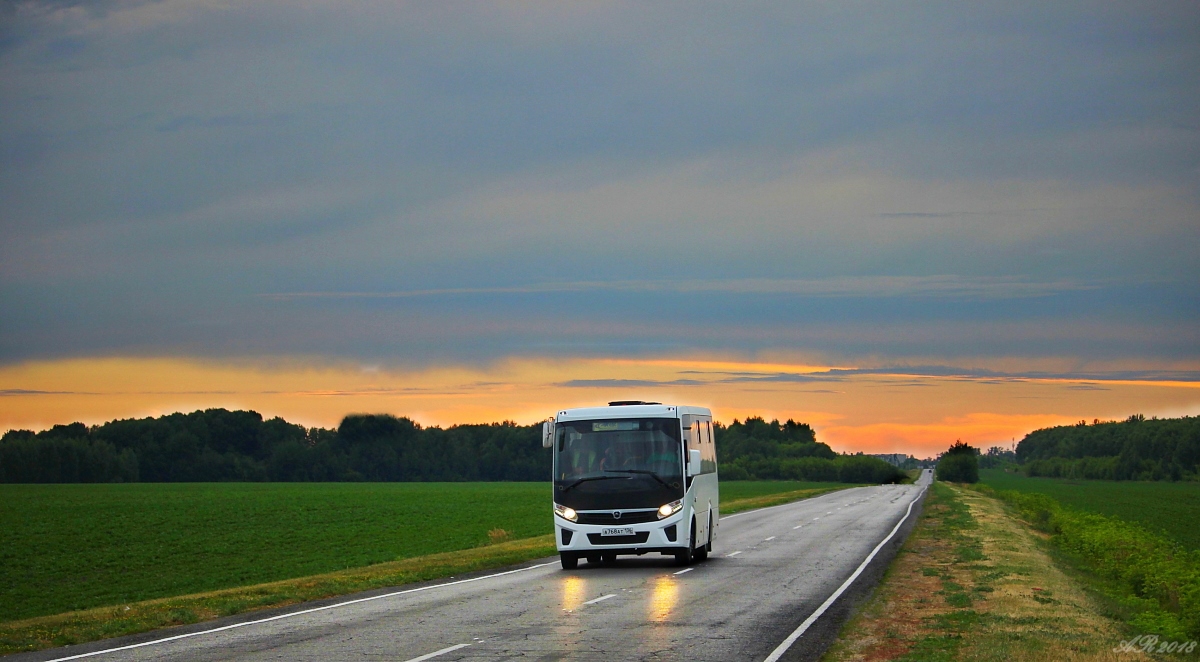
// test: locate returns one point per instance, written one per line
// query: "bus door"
(693, 434)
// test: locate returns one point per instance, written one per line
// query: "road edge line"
(294, 613)
(799, 631)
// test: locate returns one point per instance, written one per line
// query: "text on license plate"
(617, 531)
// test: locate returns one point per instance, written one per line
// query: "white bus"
(633, 478)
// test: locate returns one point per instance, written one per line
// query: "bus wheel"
(708, 545)
(569, 561)
(701, 552)
(685, 556)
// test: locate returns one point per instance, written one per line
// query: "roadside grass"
(973, 583)
(1164, 508)
(161, 539)
(114, 621)
(1153, 580)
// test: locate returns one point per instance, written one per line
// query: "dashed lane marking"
(600, 599)
(683, 571)
(430, 656)
(733, 554)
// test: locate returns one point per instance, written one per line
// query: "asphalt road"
(771, 571)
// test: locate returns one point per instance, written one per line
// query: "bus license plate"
(617, 531)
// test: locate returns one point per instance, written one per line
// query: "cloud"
(412, 182)
(991, 375)
(944, 287)
(976, 375)
(782, 378)
(221, 122)
(625, 383)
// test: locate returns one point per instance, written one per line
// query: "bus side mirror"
(693, 468)
(547, 434)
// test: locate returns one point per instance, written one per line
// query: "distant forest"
(222, 445)
(1134, 449)
(758, 450)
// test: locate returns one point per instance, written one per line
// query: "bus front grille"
(606, 517)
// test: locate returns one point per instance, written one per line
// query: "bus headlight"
(565, 512)
(666, 510)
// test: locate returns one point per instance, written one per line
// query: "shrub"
(960, 464)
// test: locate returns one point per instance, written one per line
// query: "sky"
(903, 223)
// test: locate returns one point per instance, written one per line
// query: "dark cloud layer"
(420, 182)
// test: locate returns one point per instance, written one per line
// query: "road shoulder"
(973, 583)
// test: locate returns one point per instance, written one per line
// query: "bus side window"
(694, 440)
(708, 452)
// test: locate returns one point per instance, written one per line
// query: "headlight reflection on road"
(573, 591)
(663, 599)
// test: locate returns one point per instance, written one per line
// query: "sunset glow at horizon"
(884, 412)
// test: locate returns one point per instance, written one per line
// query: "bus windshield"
(617, 463)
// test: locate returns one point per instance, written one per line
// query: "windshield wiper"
(584, 480)
(644, 472)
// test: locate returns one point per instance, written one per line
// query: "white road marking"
(434, 654)
(787, 643)
(796, 527)
(733, 554)
(759, 510)
(294, 613)
(816, 518)
(683, 571)
(600, 599)
(766, 539)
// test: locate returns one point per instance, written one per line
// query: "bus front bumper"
(666, 536)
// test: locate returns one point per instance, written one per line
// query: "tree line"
(761, 450)
(221, 445)
(1134, 449)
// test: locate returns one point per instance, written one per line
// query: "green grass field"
(65, 547)
(734, 490)
(68, 547)
(1168, 508)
